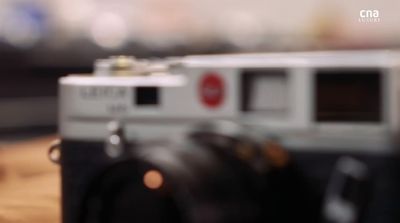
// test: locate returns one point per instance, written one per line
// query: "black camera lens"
(214, 174)
(131, 191)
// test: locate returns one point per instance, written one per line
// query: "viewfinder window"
(265, 91)
(147, 96)
(348, 95)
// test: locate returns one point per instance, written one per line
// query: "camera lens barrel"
(218, 172)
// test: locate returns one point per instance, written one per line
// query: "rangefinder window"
(264, 91)
(147, 96)
(348, 95)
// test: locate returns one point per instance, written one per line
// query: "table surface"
(29, 183)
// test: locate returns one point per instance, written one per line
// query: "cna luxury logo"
(369, 16)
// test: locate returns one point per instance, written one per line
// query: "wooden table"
(29, 183)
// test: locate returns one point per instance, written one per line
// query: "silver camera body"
(335, 113)
(311, 100)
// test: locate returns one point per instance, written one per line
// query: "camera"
(274, 137)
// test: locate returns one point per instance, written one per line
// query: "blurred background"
(41, 40)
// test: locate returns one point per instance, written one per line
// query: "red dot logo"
(211, 90)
